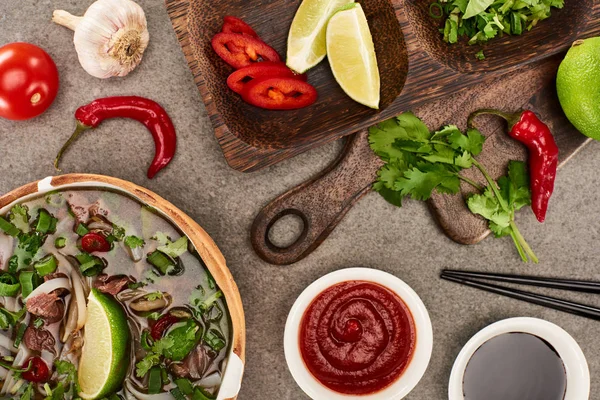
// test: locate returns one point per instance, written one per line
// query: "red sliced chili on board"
(37, 370)
(236, 25)
(279, 93)
(92, 242)
(239, 79)
(239, 51)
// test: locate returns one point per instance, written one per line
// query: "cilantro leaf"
(134, 242)
(176, 248)
(420, 182)
(19, 217)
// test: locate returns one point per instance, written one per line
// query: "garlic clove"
(111, 37)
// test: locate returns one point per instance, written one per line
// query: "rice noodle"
(71, 324)
(6, 250)
(7, 343)
(79, 299)
(212, 380)
(3, 372)
(22, 355)
(10, 303)
(48, 357)
(50, 286)
(136, 394)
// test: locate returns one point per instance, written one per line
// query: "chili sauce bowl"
(576, 369)
(416, 364)
(202, 242)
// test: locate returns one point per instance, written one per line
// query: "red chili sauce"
(357, 337)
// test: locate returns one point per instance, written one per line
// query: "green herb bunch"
(419, 161)
(482, 20)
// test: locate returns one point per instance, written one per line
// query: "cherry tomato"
(162, 325)
(92, 242)
(38, 371)
(28, 81)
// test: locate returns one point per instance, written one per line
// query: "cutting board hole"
(286, 230)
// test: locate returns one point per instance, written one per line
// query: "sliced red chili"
(279, 93)
(92, 242)
(38, 370)
(239, 51)
(162, 325)
(236, 25)
(238, 80)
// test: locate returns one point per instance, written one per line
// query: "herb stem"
(471, 182)
(519, 247)
(493, 185)
(523, 242)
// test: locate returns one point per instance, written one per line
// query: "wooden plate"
(415, 64)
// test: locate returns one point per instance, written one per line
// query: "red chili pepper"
(162, 325)
(239, 79)
(527, 128)
(236, 25)
(92, 242)
(239, 51)
(279, 93)
(146, 111)
(37, 370)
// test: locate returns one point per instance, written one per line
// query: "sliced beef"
(49, 307)
(193, 366)
(55, 275)
(38, 339)
(96, 210)
(112, 284)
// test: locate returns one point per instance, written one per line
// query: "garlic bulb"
(110, 38)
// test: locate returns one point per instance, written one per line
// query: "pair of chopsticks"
(477, 280)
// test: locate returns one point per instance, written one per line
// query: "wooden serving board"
(416, 66)
(323, 201)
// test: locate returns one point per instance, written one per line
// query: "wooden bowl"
(549, 37)
(333, 111)
(206, 247)
(416, 66)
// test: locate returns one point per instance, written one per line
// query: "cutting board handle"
(321, 203)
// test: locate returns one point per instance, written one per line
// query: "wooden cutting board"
(420, 69)
(323, 201)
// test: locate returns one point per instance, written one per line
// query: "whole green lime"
(578, 86)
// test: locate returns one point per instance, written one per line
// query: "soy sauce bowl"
(416, 366)
(575, 364)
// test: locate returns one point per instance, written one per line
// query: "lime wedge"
(104, 357)
(306, 40)
(351, 55)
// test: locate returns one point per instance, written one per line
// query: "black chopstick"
(554, 283)
(542, 300)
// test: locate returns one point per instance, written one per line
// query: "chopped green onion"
(29, 280)
(60, 242)
(214, 339)
(81, 230)
(154, 380)
(38, 323)
(185, 386)
(177, 394)
(201, 394)
(89, 265)
(59, 392)
(47, 389)
(154, 316)
(146, 340)
(436, 14)
(9, 228)
(46, 265)
(161, 261)
(45, 222)
(8, 318)
(20, 334)
(9, 285)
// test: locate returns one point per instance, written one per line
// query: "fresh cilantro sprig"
(482, 20)
(419, 162)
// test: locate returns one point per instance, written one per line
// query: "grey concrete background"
(405, 242)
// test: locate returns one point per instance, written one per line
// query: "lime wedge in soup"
(104, 358)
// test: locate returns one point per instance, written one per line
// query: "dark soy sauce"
(515, 366)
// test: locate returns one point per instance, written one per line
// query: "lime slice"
(351, 55)
(306, 40)
(104, 357)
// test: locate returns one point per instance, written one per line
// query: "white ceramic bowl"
(576, 367)
(417, 366)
